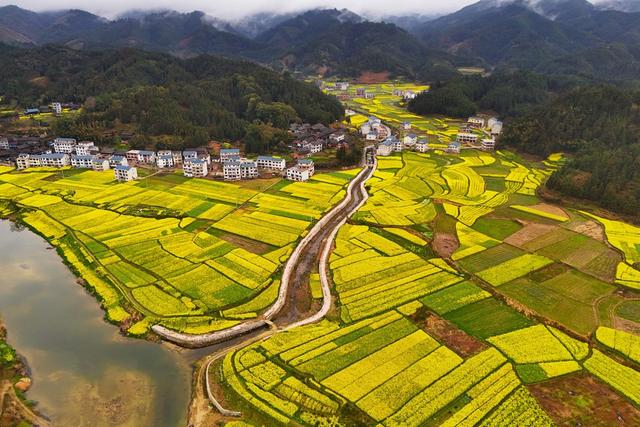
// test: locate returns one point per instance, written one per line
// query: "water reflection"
(84, 372)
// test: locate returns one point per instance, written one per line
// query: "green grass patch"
(454, 297)
(490, 257)
(531, 373)
(499, 229)
(487, 318)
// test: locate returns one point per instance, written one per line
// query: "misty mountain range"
(571, 37)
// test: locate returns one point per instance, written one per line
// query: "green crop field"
(177, 251)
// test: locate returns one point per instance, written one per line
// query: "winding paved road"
(316, 244)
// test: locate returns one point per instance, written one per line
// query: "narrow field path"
(297, 269)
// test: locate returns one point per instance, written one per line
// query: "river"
(84, 372)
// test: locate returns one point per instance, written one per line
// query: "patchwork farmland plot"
(181, 252)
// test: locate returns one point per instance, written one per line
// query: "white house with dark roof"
(82, 162)
(118, 160)
(406, 125)
(410, 140)
(195, 168)
(270, 162)
(488, 144)
(234, 169)
(453, 148)
(23, 161)
(467, 138)
(125, 173)
(64, 145)
(302, 171)
(385, 148)
(86, 148)
(147, 157)
(165, 161)
(422, 146)
(100, 165)
(229, 154)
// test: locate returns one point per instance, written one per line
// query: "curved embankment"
(356, 196)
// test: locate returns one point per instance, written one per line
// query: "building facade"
(125, 173)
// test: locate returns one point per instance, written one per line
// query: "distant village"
(375, 130)
(308, 140)
(229, 164)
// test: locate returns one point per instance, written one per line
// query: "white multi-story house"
(100, 165)
(56, 160)
(195, 168)
(422, 146)
(269, 162)
(369, 95)
(385, 148)
(146, 157)
(4, 144)
(410, 140)
(315, 147)
(82, 162)
(476, 122)
(229, 154)
(22, 161)
(453, 148)
(25, 161)
(118, 160)
(488, 144)
(342, 85)
(365, 129)
(302, 171)
(248, 169)
(234, 170)
(406, 125)
(125, 173)
(189, 155)
(86, 148)
(467, 138)
(231, 170)
(56, 107)
(64, 145)
(177, 158)
(132, 156)
(164, 161)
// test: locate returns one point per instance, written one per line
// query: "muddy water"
(84, 372)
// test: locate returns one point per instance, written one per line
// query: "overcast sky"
(238, 8)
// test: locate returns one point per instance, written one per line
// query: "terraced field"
(192, 255)
(456, 293)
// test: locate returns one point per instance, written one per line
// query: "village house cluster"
(374, 130)
(195, 163)
(311, 139)
(490, 127)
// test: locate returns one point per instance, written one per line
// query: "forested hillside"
(600, 129)
(189, 100)
(504, 93)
